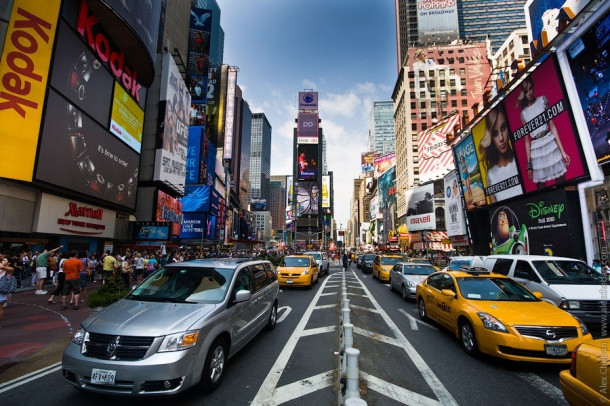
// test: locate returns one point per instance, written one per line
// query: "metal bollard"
(345, 312)
(355, 402)
(352, 373)
(347, 342)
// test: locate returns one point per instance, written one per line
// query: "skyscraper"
(381, 127)
(277, 201)
(260, 159)
(416, 25)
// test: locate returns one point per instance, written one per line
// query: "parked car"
(367, 262)
(175, 330)
(359, 261)
(298, 270)
(585, 383)
(322, 261)
(495, 315)
(566, 282)
(405, 276)
(382, 264)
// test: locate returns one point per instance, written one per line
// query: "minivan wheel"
(272, 318)
(214, 365)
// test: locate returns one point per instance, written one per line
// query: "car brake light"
(573, 364)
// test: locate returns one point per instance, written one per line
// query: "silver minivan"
(175, 330)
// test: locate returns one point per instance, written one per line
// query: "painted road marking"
(397, 393)
(431, 379)
(285, 310)
(269, 394)
(412, 320)
(318, 330)
(32, 376)
(308, 385)
(545, 387)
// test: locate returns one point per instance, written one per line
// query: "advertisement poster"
(325, 191)
(383, 163)
(308, 100)
(200, 30)
(590, 65)
(196, 199)
(127, 119)
(368, 160)
(194, 159)
(454, 213)
(258, 204)
(229, 131)
(547, 18)
(469, 174)
(78, 154)
(308, 197)
(307, 161)
(540, 118)
(535, 225)
(307, 128)
(374, 207)
(497, 160)
(193, 226)
(173, 131)
(151, 231)
(387, 188)
(435, 157)
(420, 208)
(169, 209)
(437, 20)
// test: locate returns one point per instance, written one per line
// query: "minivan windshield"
(316, 255)
(567, 272)
(185, 285)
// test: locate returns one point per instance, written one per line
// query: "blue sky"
(343, 49)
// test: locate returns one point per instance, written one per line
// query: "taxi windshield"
(494, 289)
(295, 261)
(418, 270)
(390, 260)
(184, 285)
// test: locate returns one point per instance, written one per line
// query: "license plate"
(555, 350)
(106, 376)
(289, 281)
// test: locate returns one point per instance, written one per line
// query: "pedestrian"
(59, 280)
(6, 274)
(92, 268)
(110, 264)
(84, 276)
(345, 260)
(42, 265)
(126, 270)
(72, 268)
(138, 262)
(18, 272)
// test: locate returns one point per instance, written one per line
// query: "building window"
(462, 71)
(463, 92)
(441, 73)
(453, 103)
(442, 82)
(412, 84)
(452, 72)
(424, 126)
(413, 116)
(440, 218)
(422, 95)
(463, 81)
(452, 82)
(422, 105)
(422, 74)
(431, 73)
(412, 95)
(464, 102)
(413, 126)
(453, 92)
(422, 114)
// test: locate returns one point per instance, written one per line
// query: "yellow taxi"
(383, 264)
(297, 270)
(493, 314)
(586, 382)
(424, 261)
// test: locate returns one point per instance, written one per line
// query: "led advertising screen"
(383, 163)
(437, 20)
(325, 191)
(374, 207)
(78, 75)
(368, 160)
(308, 100)
(307, 161)
(173, 129)
(308, 197)
(200, 30)
(387, 188)
(194, 159)
(147, 230)
(229, 133)
(127, 119)
(435, 157)
(193, 226)
(169, 209)
(470, 174)
(215, 100)
(196, 199)
(536, 225)
(590, 65)
(420, 208)
(545, 141)
(547, 18)
(289, 191)
(78, 154)
(496, 156)
(307, 128)
(258, 204)
(454, 214)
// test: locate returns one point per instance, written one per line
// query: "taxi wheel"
(214, 365)
(310, 283)
(421, 307)
(468, 338)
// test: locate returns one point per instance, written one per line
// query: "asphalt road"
(402, 360)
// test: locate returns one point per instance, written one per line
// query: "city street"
(402, 360)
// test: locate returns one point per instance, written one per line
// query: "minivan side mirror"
(243, 296)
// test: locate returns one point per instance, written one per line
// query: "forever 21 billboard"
(78, 154)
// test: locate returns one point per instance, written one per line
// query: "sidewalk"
(33, 333)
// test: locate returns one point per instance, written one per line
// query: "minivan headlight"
(179, 341)
(79, 336)
(570, 305)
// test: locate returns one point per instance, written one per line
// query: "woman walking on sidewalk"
(60, 278)
(5, 272)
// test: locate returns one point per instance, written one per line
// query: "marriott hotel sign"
(57, 215)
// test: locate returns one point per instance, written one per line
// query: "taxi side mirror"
(448, 292)
(538, 294)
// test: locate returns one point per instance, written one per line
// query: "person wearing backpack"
(8, 283)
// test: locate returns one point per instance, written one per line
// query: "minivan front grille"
(120, 348)
(548, 333)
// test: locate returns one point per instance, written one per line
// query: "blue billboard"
(196, 199)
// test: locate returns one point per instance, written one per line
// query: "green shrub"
(111, 291)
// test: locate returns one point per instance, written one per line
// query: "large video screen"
(78, 154)
(127, 119)
(308, 197)
(590, 65)
(307, 161)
